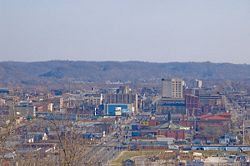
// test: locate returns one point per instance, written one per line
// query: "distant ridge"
(33, 72)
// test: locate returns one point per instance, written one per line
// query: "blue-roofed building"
(4, 91)
(118, 109)
(177, 106)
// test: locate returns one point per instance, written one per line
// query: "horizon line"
(119, 61)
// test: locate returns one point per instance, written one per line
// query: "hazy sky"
(145, 30)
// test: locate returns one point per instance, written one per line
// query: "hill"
(34, 72)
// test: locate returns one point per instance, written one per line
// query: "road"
(108, 148)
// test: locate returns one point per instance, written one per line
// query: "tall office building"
(172, 88)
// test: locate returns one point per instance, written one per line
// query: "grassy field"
(130, 154)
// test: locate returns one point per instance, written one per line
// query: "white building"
(198, 83)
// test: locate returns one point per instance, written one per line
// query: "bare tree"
(71, 145)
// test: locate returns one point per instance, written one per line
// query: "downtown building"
(172, 97)
(122, 102)
(172, 88)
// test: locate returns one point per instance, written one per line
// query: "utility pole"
(243, 125)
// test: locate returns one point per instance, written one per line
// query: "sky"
(125, 30)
